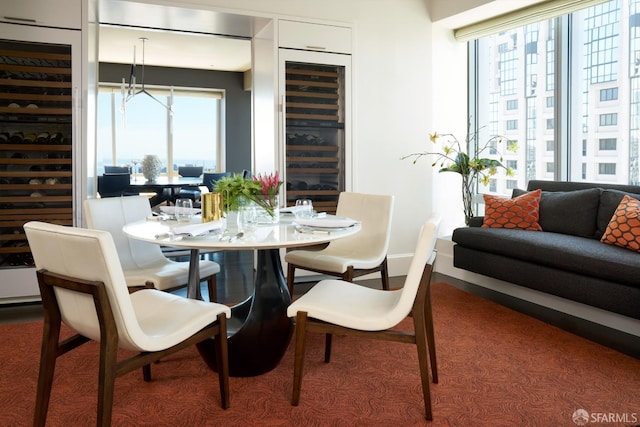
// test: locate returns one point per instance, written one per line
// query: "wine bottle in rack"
(43, 138)
(16, 138)
(57, 138)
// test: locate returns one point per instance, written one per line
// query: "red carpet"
(497, 368)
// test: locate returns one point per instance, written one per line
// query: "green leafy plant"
(453, 156)
(238, 191)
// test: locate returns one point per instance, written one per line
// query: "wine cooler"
(316, 128)
(37, 124)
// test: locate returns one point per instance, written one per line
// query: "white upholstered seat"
(142, 261)
(363, 253)
(343, 308)
(82, 285)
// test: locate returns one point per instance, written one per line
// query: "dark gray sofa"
(566, 259)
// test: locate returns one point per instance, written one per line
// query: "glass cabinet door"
(36, 127)
(316, 128)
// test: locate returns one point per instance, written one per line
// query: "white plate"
(327, 221)
(197, 229)
(309, 229)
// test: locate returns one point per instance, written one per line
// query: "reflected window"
(189, 134)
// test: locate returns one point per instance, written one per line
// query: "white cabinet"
(45, 13)
(316, 37)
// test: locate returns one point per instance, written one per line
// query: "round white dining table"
(259, 329)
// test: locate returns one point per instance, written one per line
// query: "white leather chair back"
(424, 254)
(90, 255)
(111, 214)
(374, 212)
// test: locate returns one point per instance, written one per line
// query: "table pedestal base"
(264, 332)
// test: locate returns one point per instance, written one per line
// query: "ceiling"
(169, 49)
(485, 9)
(175, 36)
(204, 39)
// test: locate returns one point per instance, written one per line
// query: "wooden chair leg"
(48, 356)
(291, 271)
(301, 334)
(328, 338)
(431, 338)
(421, 344)
(222, 358)
(146, 373)
(107, 378)
(212, 287)
(347, 276)
(384, 272)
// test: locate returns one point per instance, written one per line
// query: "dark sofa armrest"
(476, 221)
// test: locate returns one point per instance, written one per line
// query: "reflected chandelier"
(129, 91)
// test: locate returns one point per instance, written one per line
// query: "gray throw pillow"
(569, 212)
(609, 201)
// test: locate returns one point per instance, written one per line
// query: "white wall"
(392, 103)
(449, 94)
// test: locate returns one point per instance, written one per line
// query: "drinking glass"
(247, 218)
(184, 210)
(304, 208)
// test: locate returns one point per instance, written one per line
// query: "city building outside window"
(590, 65)
(551, 145)
(610, 119)
(610, 94)
(607, 144)
(550, 167)
(607, 168)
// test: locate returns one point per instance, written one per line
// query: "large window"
(187, 134)
(590, 102)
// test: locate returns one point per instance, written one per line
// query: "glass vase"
(268, 210)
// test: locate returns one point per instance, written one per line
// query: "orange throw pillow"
(520, 212)
(624, 227)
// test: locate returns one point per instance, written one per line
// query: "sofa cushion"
(562, 251)
(568, 212)
(624, 228)
(519, 212)
(609, 201)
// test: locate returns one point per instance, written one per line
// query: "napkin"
(171, 210)
(327, 221)
(197, 229)
(292, 209)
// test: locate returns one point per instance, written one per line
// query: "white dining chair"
(83, 286)
(143, 262)
(343, 308)
(353, 256)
